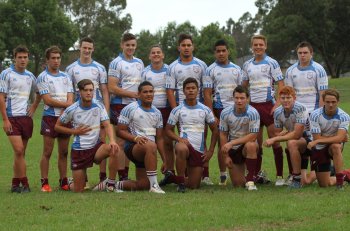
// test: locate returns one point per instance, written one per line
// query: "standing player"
(329, 128)
(124, 77)
(239, 128)
(87, 115)
(184, 67)
(87, 68)
(222, 77)
(16, 85)
(140, 125)
(190, 150)
(56, 90)
(155, 73)
(260, 73)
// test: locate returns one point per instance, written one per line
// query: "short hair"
(86, 39)
(305, 44)
(127, 37)
(82, 83)
(183, 36)
(20, 49)
(188, 81)
(331, 92)
(241, 89)
(258, 36)
(221, 42)
(144, 83)
(52, 49)
(287, 90)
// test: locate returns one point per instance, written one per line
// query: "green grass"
(209, 208)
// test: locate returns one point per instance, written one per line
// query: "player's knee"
(251, 149)
(292, 145)
(335, 148)
(150, 146)
(19, 151)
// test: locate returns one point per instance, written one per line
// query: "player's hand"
(207, 155)
(273, 109)
(346, 138)
(311, 145)
(31, 110)
(228, 162)
(184, 141)
(82, 130)
(226, 148)
(7, 126)
(282, 133)
(114, 149)
(268, 143)
(141, 140)
(134, 95)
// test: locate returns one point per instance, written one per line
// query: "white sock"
(152, 177)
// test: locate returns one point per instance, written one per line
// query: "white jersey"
(140, 121)
(262, 76)
(128, 72)
(57, 86)
(307, 82)
(91, 116)
(157, 78)
(298, 115)
(239, 125)
(17, 86)
(94, 71)
(192, 120)
(223, 79)
(328, 126)
(178, 72)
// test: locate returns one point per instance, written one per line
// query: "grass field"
(209, 208)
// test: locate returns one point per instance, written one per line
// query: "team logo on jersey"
(245, 121)
(95, 112)
(201, 114)
(264, 69)
(196, 69)
(235, 72)
(218, 74)
(94, 71)
(76, 73)
(138, 67)
(336, 124)
(28, 81)
(65, 81)
(79, 116)
(309, 75)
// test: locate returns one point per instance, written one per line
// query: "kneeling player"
(87, 116)
(239, 128)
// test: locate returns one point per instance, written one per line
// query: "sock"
(152, 177)
(278, 154)
(251, 166)
(126, 172)
(103, 176)
(290, 166)
(44, 181)
(16, 182)
(24, 181)
(119, 185)
(110, 182)
(340, 178)
(205, 172)
(259, 160)
(64, 181)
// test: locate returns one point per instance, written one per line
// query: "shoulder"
(316, 114)
(252, 112)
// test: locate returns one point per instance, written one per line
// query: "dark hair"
(144, 83)
(20, 49)
(128, 36)
(52, 49)
(221, 42)
(183, 36)
(241, 89)
(86, 39)
(331, 92)
(82, 83)
(189, 80)
(305, 44)
(157, 46)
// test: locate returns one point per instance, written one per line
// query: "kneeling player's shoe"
(261, 178)
(346, 173)
(87, 186)
(223, 180)
(250, 186)
(181, 188)
(206, 180)
(25, 189)
(113, 189)
(340, 187)
(16, 189)
(279, 181)
(156, 189)
(46, 188)
(295, 185)
(288, 180)
(100, 186)
(166, 180)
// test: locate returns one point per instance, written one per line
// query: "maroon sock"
(16, 182)
(103, 176)
(205, 172)
(278, 154)
(24, 181)
(290, 166)
(259, 160)
(126, 172)
(251, 166)
(44, 181)
(63, 181)
(340, 178)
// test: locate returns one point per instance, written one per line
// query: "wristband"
(135, 139)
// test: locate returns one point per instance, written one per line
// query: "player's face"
(241, 100)
(129, 47)
(221, 54)
(331, 104)
(87, 93)
(21, 60)
(54, 62)
(156, 55)
(287, 101)
(146, 95)
(258, 47)
(304, 55)
(186, 48)
(191, 91)
(86, 49)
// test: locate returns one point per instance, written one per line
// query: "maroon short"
(264, 109)
(165, 114)
(21, 126)
(48, 127)
(82, 159)
(195, 158)
(217, 112)
(115, 112)
(128, 147)
(236, 155)
(320, 157)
